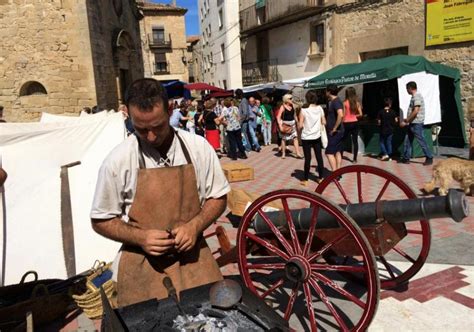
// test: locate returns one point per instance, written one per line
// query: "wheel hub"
(297, 269)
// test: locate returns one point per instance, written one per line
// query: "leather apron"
(165, 198)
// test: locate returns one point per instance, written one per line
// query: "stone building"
(221, 57)
(283, 40)
(58, 56)
(163, 34)
(193, 49)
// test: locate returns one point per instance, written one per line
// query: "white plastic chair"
(435, 130)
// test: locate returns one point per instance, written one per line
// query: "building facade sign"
(449, 21)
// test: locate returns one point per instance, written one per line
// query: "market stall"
(386, 77)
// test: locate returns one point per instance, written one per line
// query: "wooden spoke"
(277, 232)
(387, 266)
(291, 226)
(404, 254)
(327, 247)
(384, 188)
(328, 304)
(272, 289)
(340, 268)
(359, 186)
(291, 302)
(309, 305)
(328, 282)
(267, 245)
(312, 227)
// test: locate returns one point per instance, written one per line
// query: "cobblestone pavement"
(440, 297)
(444, 283)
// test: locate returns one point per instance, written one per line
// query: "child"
(386, 119)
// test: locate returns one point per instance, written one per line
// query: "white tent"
(32, 154)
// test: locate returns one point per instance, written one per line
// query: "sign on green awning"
(259, 4)
(380, 70)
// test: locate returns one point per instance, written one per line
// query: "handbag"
(286, 129)
(324, 137)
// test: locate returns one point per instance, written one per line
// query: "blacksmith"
(156, 193)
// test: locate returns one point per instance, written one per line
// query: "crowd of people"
(235, 126)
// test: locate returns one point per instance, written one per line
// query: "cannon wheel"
(422, 232)
(311, 281)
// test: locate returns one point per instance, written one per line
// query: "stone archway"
(125, 61)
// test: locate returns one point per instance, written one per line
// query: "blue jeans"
(386, 144)
(244, 126)
(267, 132)
(415, 130)
(253, 137)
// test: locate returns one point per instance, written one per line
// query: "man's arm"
(153, 242)
(186, 235)
(412, 115)
(340, 115)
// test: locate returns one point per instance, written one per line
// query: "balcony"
(162, 68)
(260, 72)
(159, 43)
(277, 12)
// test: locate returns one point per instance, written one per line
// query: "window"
(221, 19)
(208, 7)
(261, 15)
(224, 82)
(317, 38)
(158, 35)
(161, 65)
(32, 88)
(222, 53)
(212, 59)
(209, 31)
(205, 7)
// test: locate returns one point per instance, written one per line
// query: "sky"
(191, 17)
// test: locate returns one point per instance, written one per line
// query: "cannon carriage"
(323, 258)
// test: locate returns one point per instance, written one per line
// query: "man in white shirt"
(156, 193)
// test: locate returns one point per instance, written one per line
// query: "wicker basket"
(90, 302)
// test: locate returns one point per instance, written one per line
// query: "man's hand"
(157, 242)
(185, 236)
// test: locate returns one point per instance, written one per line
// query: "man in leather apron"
(156, 193)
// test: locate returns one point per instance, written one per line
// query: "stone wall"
(116, 48)
(396, 24)
(67, 47)
(173, 23)
(45, 42)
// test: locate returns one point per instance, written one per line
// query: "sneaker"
(404, 161)
(243, 156)
(385, 158)
(428, 161)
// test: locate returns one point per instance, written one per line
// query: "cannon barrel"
(454, 206)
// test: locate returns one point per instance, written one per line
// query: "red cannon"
(325, 256)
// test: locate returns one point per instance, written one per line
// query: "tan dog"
(445, 171)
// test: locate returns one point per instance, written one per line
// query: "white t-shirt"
(312, 122)
(117, 181)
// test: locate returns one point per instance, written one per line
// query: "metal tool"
(227, 294)
(172, 293)
(110, 320)
(67, 228)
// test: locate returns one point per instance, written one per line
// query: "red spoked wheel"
(362, 183)
(285, 266)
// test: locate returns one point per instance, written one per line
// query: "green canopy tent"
(393, 67)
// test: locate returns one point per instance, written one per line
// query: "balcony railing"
(158, 42)
(273, 10)
(260, 72)
(162, 68)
